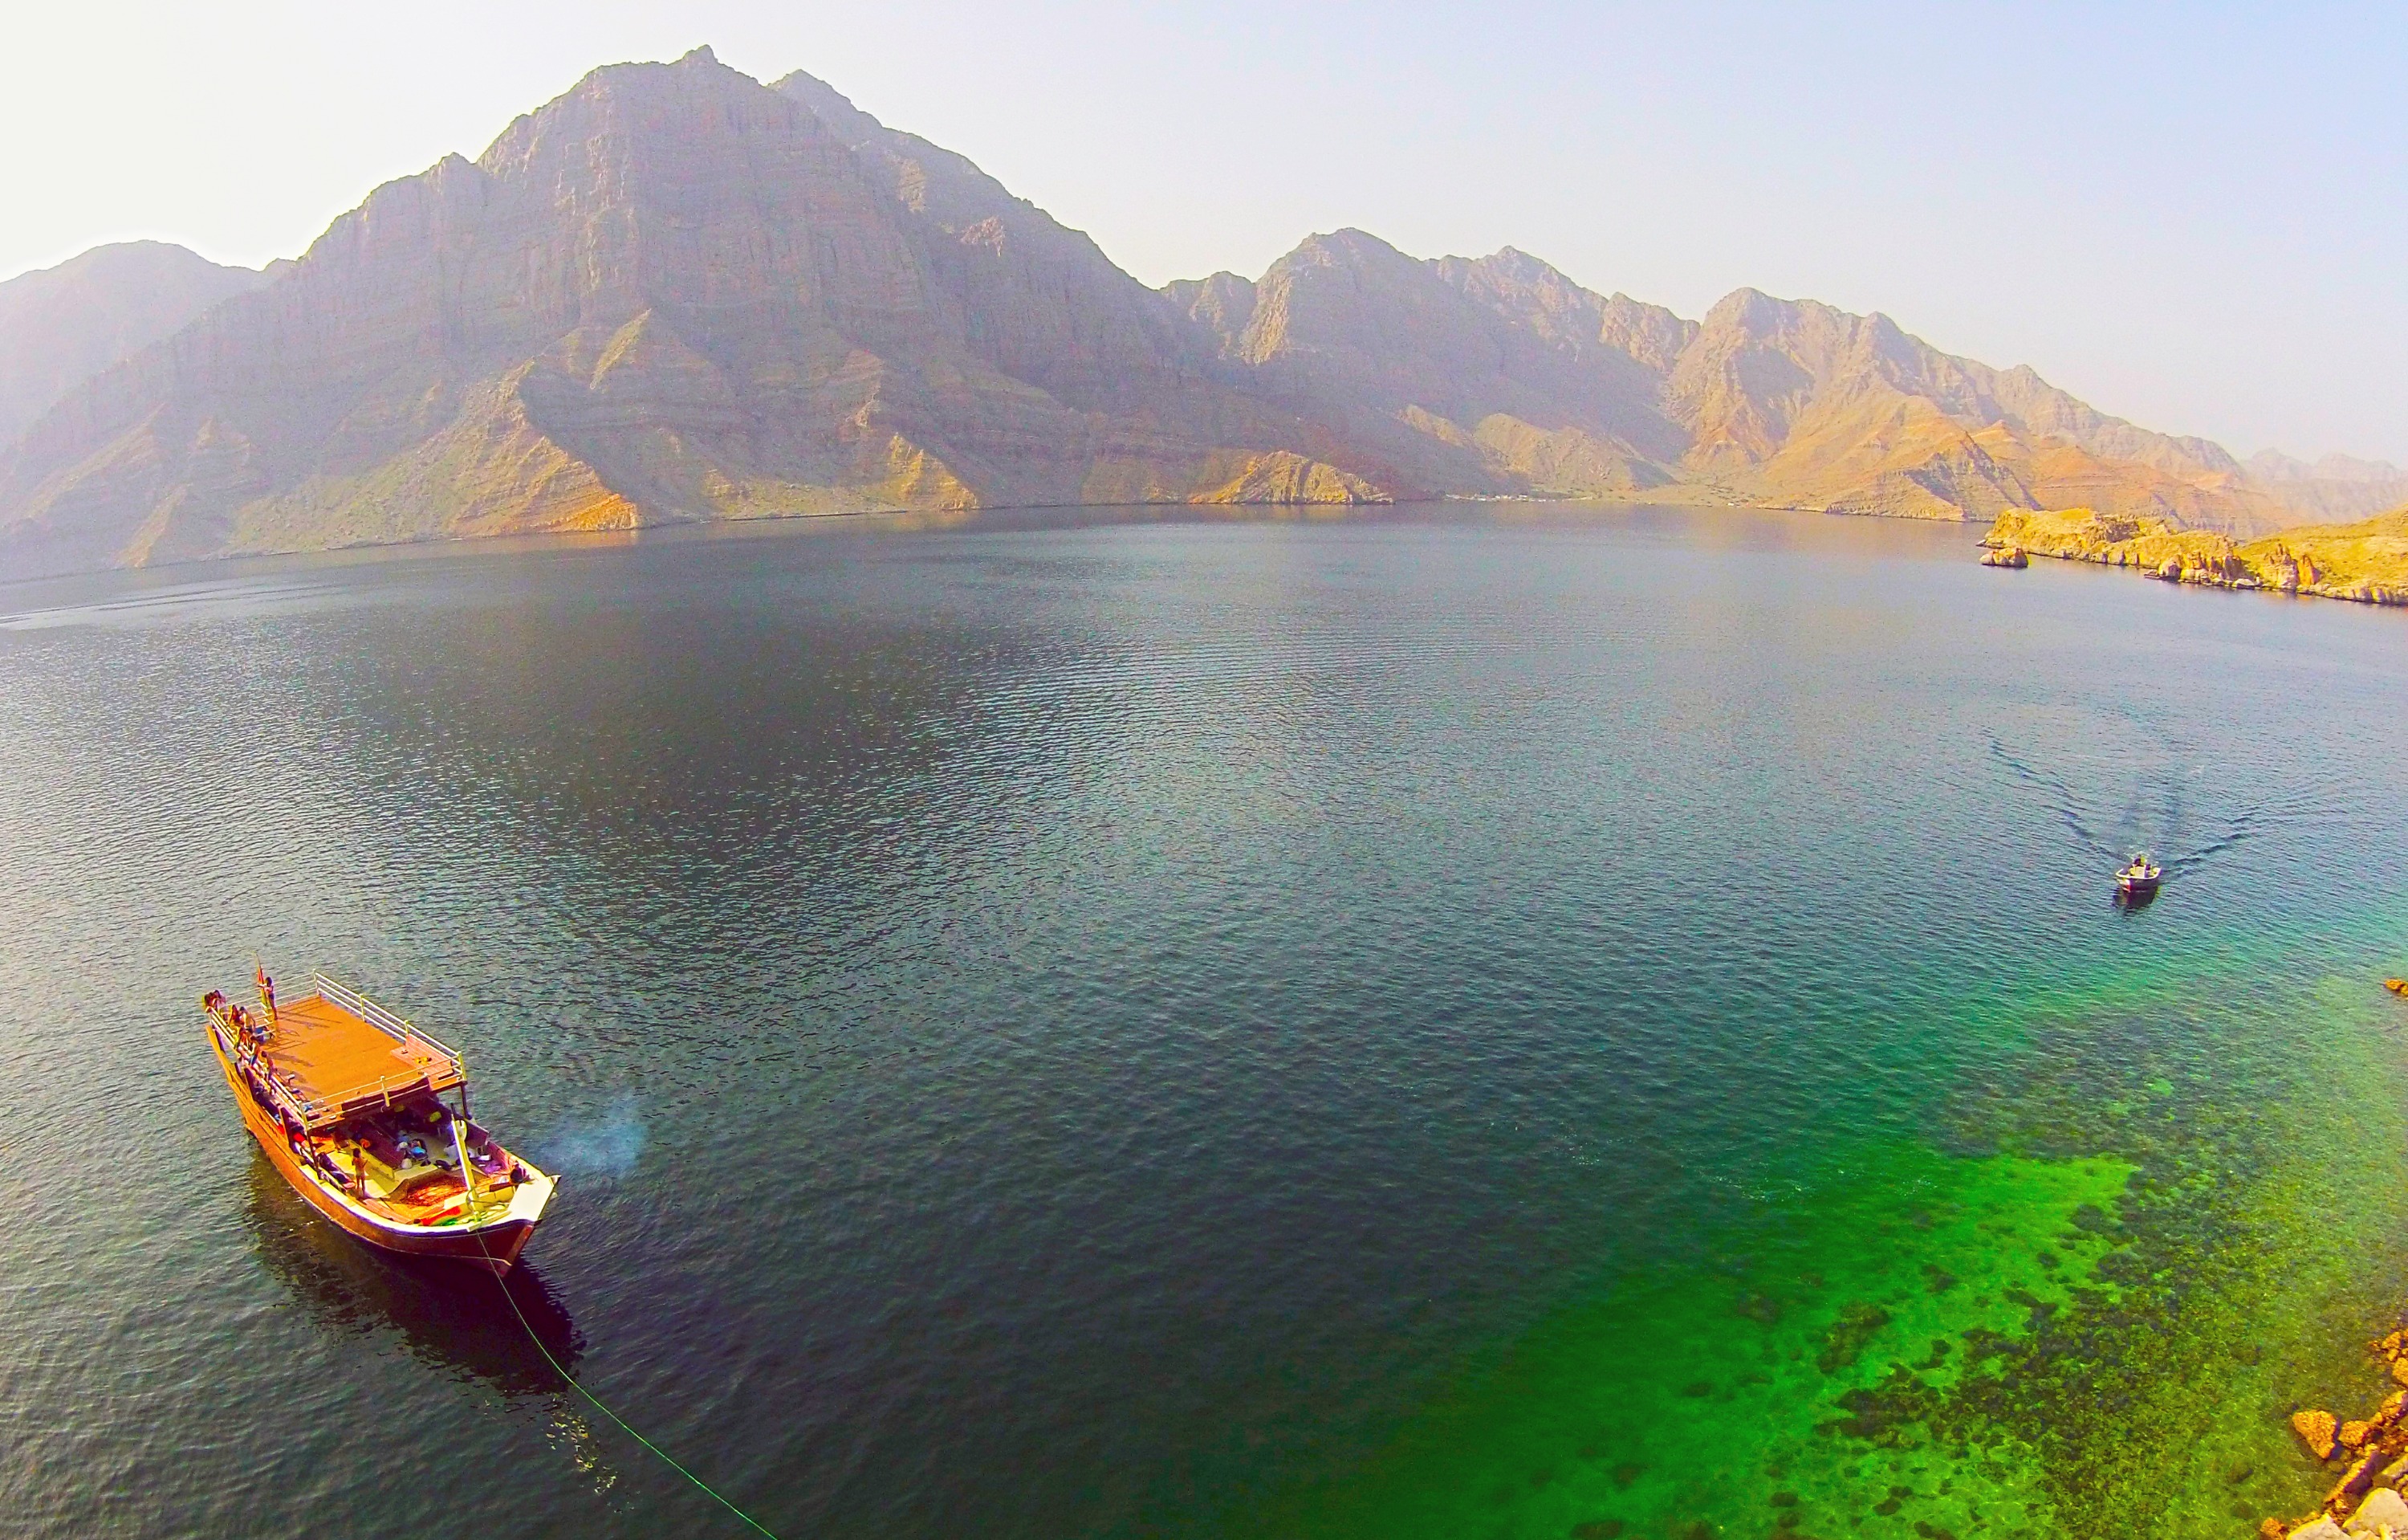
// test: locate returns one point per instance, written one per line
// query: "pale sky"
(2194, 216)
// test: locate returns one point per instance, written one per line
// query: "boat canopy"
(336, 1054)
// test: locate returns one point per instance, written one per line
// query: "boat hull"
(492, 1248)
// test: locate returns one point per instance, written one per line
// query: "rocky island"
(2366, 562)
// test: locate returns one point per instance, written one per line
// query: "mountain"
(1501, 373)
(1494, 376)
(2334, 487)
(675, 293)
(672, 293)
(63, 325)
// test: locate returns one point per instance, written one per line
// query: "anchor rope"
(502, 1281)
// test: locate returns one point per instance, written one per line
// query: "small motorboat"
(2140, 878)
(2397, 986)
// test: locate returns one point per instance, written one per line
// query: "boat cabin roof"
(339, 1059)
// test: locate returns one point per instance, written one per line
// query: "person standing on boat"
(266, 994)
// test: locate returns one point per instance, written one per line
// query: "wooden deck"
(338, 1063)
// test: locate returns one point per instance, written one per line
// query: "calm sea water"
(1534, 1022)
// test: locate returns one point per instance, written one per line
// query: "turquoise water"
(1531, 1022)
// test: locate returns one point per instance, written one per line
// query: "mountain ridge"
(676, 294)
(60, 325)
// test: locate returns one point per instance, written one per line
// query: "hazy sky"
(2193, 216)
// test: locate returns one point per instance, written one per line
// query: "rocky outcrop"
(2366, 562)
(2318, 1429)
(2382, 1510)
(2377, 1448)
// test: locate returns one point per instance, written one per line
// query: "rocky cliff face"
(63, 325)
(675, 293)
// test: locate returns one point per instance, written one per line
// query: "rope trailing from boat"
(502, 1281)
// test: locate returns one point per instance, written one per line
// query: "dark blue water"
(1094, 1026)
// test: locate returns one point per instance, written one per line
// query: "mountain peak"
(831, 106)
(1349, 242)
(1512, 265)
(1747, 311)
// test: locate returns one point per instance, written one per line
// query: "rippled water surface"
(1556, 1023)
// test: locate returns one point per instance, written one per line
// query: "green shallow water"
(2101, 1336)
(1796, 1378)
(1499, 1023)
(2090, 1312)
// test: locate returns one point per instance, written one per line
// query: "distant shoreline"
(737, 526)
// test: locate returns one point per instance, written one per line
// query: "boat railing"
(384, 1020)
(315, 1110)
(304, 1109)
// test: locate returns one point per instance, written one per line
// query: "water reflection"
(450, 1317)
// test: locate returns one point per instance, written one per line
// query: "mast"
(467, 1172)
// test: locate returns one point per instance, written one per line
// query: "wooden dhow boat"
(349, 1102)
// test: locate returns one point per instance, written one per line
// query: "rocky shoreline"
(2366, 1502)
(2365, 562)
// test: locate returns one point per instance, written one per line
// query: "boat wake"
(2157, 815)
